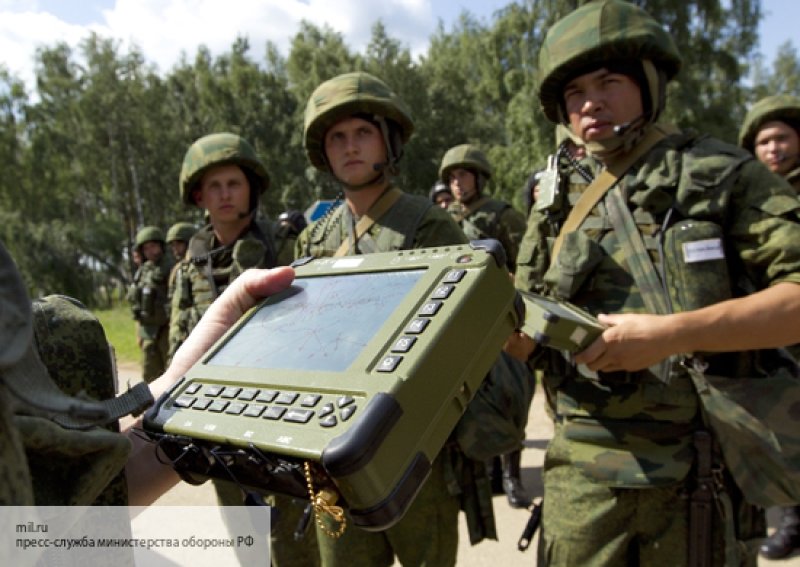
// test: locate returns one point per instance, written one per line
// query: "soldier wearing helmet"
(466, 170)
(441, 195)
(771, 131)
(223, 175)
(149, 301)
(627, 450)
(355, 130)
(178, 237)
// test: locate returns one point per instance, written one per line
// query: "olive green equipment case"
(558, 324)
(362, 368)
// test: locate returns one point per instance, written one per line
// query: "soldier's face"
(178, 248)
(225, 193)
(444, 199)
(354, 147)
(599, 100)
(463, 185)
(152, 251)
(777, 146)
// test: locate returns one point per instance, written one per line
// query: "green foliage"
(121, 332)
(94, 152)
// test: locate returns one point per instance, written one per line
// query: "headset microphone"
(620, 129)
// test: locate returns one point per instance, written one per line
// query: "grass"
(120, 330)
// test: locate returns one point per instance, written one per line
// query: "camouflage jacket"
(148, 296)
(412, 222)
(793, 177)
(490, 218)
(209, 268)
(631, 429)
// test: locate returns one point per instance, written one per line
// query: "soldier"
(466, 171)
(178, 237)
(149, 303)
(223, 175)
(355, 130)
(621, 466)
(770, 131)
(441, 195)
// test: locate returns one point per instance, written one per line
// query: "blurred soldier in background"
(441, 195)
(149, 303)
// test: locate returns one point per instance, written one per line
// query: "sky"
(165, 29)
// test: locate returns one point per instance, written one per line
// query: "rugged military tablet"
(361, 369)
(557, 324)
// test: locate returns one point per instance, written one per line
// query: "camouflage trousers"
(588, 524)
(427, 534)
(155, 355)
(285, 550)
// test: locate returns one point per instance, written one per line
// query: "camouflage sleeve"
(533, 257)
(765, 226)
(301, 244)
(438, 228)
(512, 229)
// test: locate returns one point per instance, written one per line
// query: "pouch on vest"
(696, 267)
(577, 259)
(494, 421)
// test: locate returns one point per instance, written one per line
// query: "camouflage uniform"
(618, 470)
(428, 533)
(485, 217)
(150, 306)
(203, 275)
(786, 109)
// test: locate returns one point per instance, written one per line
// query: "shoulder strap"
(375, 212)
(641, 266)
(603, 182)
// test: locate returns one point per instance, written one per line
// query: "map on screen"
(319, 323)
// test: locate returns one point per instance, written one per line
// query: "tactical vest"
(680, 197)
(207, 270)
(481, 220)
(395, 230)
(150, 301)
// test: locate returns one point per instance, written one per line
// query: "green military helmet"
(219, 149)
(465, 156)
(599, 32)
(785, 108)
(181, 231)
(347, 95)
(149, 234)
